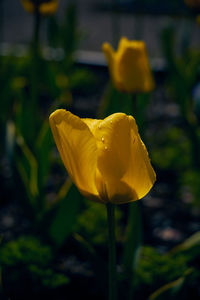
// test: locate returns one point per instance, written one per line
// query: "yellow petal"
(140, 174)
(123, 43)
(45, 8)
(28, 5)
(48, 8)
(113, 140)
(129, 66)
(78, 150)
(124, 170)
(111, 57)
(134, 68)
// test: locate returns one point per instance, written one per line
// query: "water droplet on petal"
(99, 126)
(106, 148)
(110, 122)
(103, 140)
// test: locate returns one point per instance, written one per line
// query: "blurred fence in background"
(142, 20)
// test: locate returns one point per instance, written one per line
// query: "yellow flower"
(193, 3)
(45, 7)
(129, 66)
(106, 159)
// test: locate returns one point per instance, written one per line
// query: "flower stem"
(36, 32)
(35, 58)
(112, 280)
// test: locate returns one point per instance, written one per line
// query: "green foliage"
(190, 179)
(92, 223)
(114, 101)
(28, 256)
(65, 35)
(25, 250)
(154, 269)
(182, 76)
(66, 214)
(171, 149)
(82, 80)
(170, 275)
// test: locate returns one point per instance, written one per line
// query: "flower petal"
(123, 43)
(140, 174)
(48, 8)
(134, 68)
(78, 150)
(112, 136)
(28, 6)
(113, 142)
(111, 57)
(124, 170)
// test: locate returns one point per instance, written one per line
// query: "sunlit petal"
(112, 137)
(140, 174)
(77, 148)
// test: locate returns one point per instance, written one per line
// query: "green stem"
(112, 252)
(36, 32)
(36, 57)
(132, 245)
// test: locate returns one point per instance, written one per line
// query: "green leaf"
(28, 169)
(167, 290)
(171, 289)
(188, 244)
(66, 214)
(132, 244)
(43, 149)
(133, 237)
(10, 140)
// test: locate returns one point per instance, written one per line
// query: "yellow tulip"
(45, 7)
(106, 159)
(129, 66)
(193, 3)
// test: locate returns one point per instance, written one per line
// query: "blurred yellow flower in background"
(45, 7)
(193, 3)
(106, 159)
(129, 66)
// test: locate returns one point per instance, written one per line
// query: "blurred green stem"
(133, 244)
(140, 102)
(35, 62)
(36, 32)
(112, 280)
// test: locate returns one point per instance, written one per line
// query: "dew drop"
(106, 148)
(103, 140)
(99, 126)
(110, 122)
